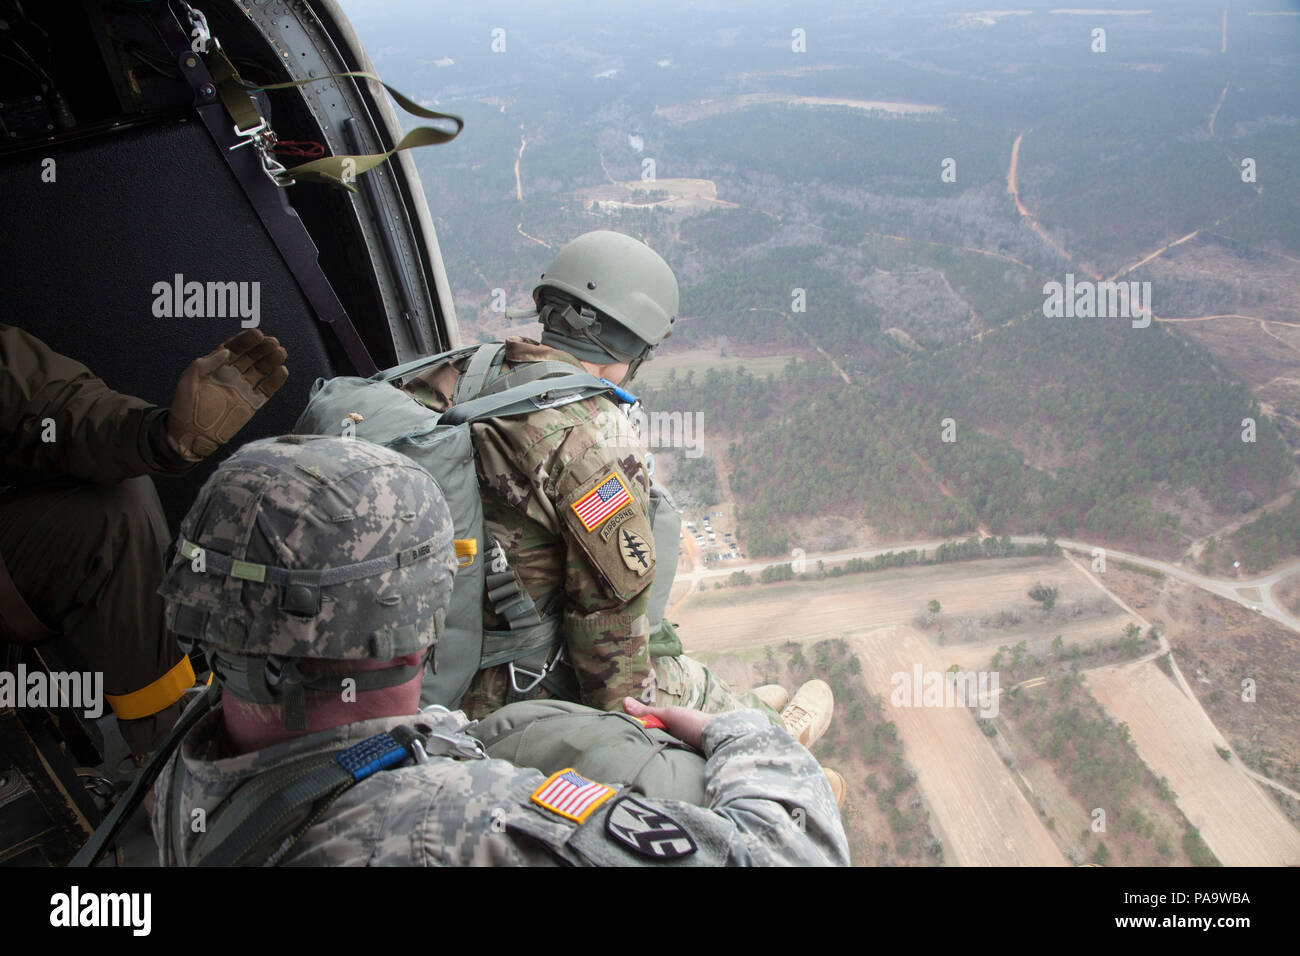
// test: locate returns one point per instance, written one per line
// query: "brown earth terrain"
(1218, 644)
(1240, 823)
(684, 195)
(1143, 827)
(1287, 594)
(982, 810)
(737, 617)
(978, 811)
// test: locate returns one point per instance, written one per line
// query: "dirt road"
(523, 144)
(1030, 221)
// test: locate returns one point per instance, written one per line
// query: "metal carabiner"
(275, 170)
(251, 135)
(459, 745)
(538, 676)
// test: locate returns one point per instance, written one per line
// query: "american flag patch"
(601, 502)
(571, 795)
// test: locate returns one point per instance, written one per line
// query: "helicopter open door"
(142, 228)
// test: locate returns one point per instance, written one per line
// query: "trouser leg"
(684, 682)
(88, 559)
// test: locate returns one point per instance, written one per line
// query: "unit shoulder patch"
(636, 554)
(648, 831)
(571, 795)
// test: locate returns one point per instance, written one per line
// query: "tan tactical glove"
(220, 392)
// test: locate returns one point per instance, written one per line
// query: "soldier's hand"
(219, 393)
(685, 724)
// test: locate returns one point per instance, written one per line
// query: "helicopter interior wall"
(129, 209)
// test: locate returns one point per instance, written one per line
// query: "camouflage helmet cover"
(310, 546)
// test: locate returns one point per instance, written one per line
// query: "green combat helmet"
(607, 298)
(308, 546)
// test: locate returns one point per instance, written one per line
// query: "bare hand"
(685, 724)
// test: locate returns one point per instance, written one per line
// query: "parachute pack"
(378, 410)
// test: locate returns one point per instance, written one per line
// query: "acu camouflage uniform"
(532, 469)
(768, 804)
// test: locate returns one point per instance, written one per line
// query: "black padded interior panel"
(129, 209)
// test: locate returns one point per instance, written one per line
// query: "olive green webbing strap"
(528, 373)
(418, 364)
(340, 169)
(482, 362)
(290, 797)
(232, 91)
(122, 810)
(526, 398)
(502, 647)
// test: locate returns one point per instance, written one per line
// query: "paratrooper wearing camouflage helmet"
(309, 562)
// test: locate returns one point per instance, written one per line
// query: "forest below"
(1057, 426)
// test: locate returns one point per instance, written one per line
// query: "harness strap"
(529, 397)
(524, 374)
(122, 810)
(283, 225)
(481, 364)
(417, 364)
(267, 815)
(502, 647)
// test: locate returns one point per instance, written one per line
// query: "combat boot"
(808, 714)
(774, 695)
(838, 786)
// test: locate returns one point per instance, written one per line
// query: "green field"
(699, 361)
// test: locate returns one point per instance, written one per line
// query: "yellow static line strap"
(159, 695)
(466, 548)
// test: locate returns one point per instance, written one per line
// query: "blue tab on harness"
(624, 396)
(371, 756)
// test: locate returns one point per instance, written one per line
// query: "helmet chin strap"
(577, 330)
(278, 680)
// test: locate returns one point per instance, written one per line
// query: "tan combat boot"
(774, 695)
(838, 786)
(808, 714)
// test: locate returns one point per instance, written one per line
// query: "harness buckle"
(263, 139)
(538, 676)
(554, 399)
(251, 135)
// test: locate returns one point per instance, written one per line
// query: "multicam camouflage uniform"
(769, 804)
(532, 471)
